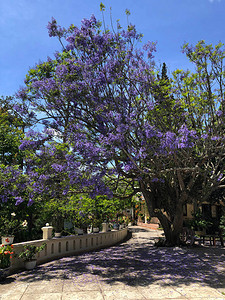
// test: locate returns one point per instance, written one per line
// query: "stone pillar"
(104, 227)
(47, 232)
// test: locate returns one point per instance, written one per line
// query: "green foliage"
(8, 227)
(102, 7)
(11, 133)
(6, 252)
(199, 222)
(24, 222)
(53, 211)
(83, 210)
(127, 11)
(161, 136)
(29, 251)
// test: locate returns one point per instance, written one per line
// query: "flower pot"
(58, 234)
(30, 264)
(122, 226)
(79, 231)
(7, 240)
(4, 273)
(116, 226)
(95, 230)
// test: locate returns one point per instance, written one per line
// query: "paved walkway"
(133, 270)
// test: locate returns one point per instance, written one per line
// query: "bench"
(212, 239)
(189, 235)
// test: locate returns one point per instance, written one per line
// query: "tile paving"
(135, 269)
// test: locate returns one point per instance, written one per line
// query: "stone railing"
(68, 245)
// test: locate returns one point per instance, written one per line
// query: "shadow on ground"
(137, 262)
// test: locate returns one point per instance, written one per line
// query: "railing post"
(104, 227)
(47, 232)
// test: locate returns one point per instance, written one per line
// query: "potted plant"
(115, 224)
(123, 221)
(95, 229)
(58, 225)
(199, 224)
(6, 252)
(96, 225)
(82, 222)
(28, 255)
(8, 229)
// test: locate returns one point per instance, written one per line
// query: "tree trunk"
(172, 229)
(172, 225)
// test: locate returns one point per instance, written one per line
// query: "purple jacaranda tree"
(124, 122)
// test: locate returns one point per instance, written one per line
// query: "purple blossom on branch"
(115, 116)
(19, 200)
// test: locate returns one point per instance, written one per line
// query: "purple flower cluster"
(12, 183)
(108, 112)
(54, 29)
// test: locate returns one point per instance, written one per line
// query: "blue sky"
(24, 38)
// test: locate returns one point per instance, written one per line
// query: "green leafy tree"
(11, 133)
(158, 136)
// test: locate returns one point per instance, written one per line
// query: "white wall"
(69, 245)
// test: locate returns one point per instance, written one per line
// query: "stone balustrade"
(68, 245)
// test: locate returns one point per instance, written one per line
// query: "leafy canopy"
(124, 122)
